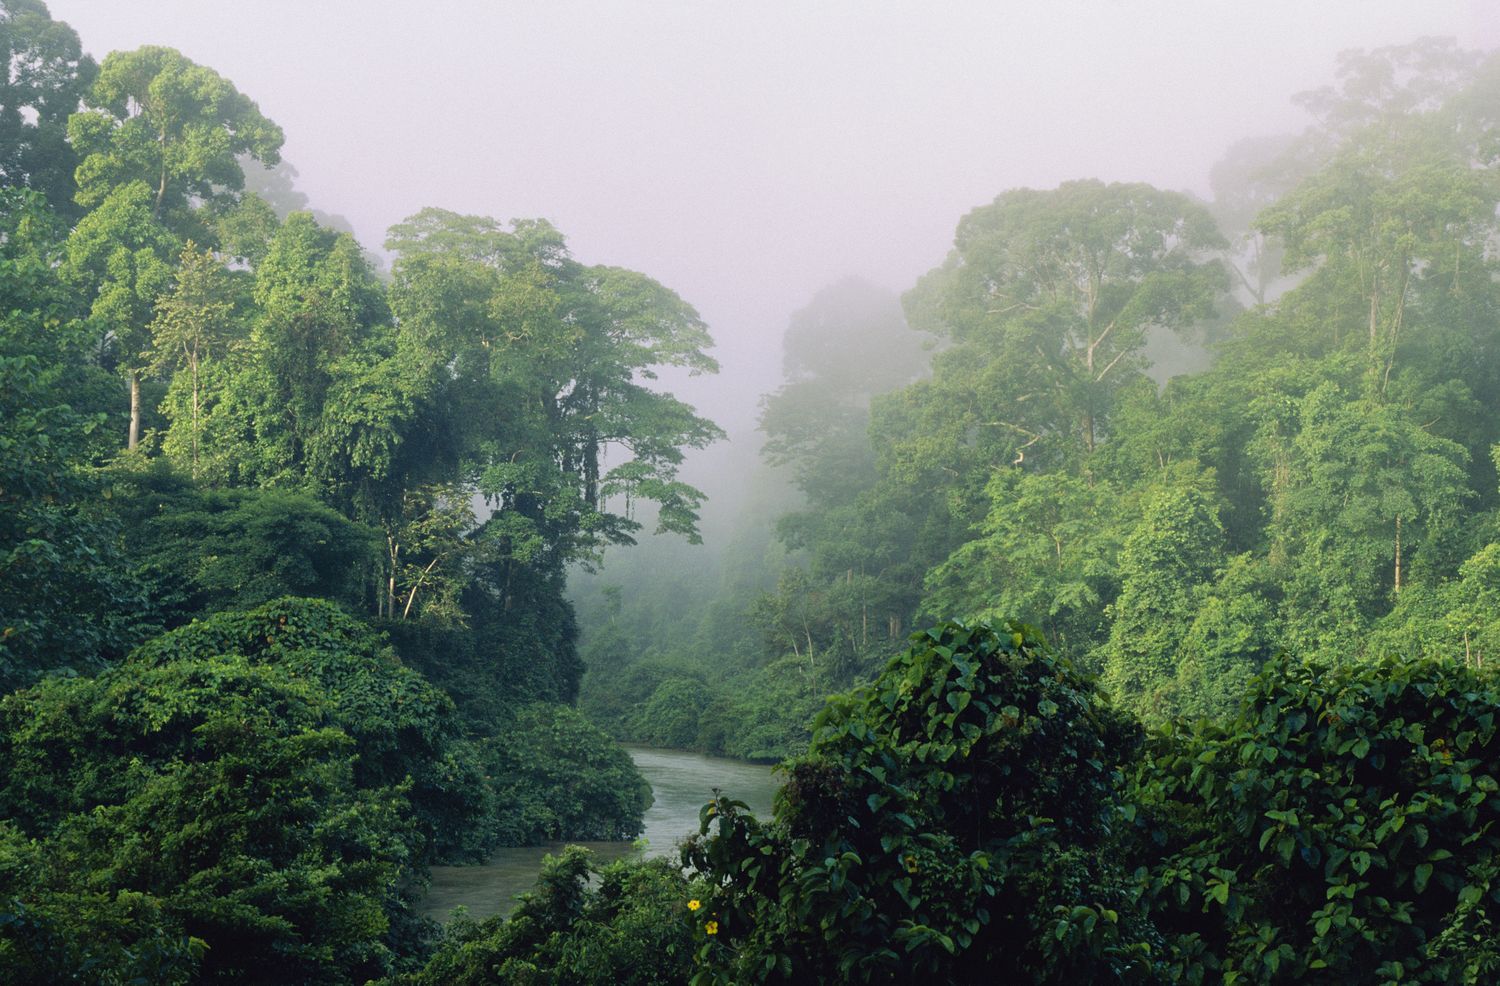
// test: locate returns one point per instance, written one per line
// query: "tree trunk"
(1398, 554)
(195, 415)
(135, 410)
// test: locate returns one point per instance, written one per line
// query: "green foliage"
(631, 928)
(66, 598)
(1163, 566)
(193, 323)
(557, 776)
(847, 345)
(671, 716)
(761, 715)
(1062, 286)
(50, 935)
(1357, 489)
(1338, 829)
(202, 551)
(1046, 553)
(174, 126)
(1457, 620)
(950, 822)
(214, 798)
(405, 732)
(506, 317)
(119, 257)
(46, 75)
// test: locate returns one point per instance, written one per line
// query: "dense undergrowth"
(982, 813)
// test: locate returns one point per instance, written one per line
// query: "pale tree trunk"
(135, 410)
(195, 415)
(1398, 554)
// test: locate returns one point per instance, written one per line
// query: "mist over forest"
(1058, 448)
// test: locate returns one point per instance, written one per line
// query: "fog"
(748, 155)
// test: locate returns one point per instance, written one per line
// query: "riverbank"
(681, 784)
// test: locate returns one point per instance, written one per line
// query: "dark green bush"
(1342, 828)
(557, 776)
(949, 825)
(630, 928)
(405, 730)
(215, 800)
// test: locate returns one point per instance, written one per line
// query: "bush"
(215, 801)
(949, 824)
(670, 717)
(632, 929)
(404, 729)
(1342, 828)
(52, 935)
(205, 550)
(557, 776)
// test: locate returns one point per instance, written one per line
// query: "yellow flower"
(693, 905)
(712, 927)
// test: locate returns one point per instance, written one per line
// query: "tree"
(67, 598)
(158, 148)
(46, 75)
(1062, 286)
(120, 257)
(1166, 561)
(193, 322)
(1457, 620)
(159, 118)
(847, 345)
(1356, 492)
(1046, 553)
(1251, 177)
(318, 302)
(1042, 308)
(1388, 220)
(506, 319)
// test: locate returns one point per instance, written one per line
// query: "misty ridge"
(1117, 590)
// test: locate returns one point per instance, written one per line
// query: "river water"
(681, 784)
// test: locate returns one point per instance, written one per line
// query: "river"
(681, 783)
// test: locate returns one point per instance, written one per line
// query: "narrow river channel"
(681, 784)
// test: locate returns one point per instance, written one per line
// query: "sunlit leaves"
(171, 124)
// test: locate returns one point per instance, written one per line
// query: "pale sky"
(746, 154)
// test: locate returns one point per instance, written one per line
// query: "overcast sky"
(746, 154)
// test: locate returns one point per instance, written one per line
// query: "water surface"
(681, 784)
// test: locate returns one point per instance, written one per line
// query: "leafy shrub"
(1341, 828)
(50, 935)
(614, 700)
(670, 717)
(557, 776)
(630, 929)
(767, 719)
(404, 729)
(207, 550)
(949, 824)
(65, 597)
(214, 799)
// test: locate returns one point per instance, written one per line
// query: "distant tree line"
(1177, 436)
